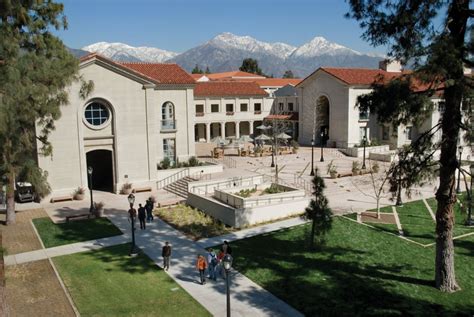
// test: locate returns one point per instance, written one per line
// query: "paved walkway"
(247, 298)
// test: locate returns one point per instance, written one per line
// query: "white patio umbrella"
(283, 136)
(264, 127)
(263, 137)
(218, 140)
(245, 138)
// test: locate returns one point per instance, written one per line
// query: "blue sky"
(178, 25)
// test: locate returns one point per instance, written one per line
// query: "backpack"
(213, 259)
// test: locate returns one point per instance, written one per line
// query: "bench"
(344, 174)
(61, 198)
(142, 189)
(88, 216)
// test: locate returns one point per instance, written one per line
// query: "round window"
(96, 114)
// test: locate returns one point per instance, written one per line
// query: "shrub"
(355, 167)
(294, 144)
(80, 191)
(244, 193)
(127, 186)
(374, 142)
(273, 189)
(165, 164)
(375, 167)
(331, 167)
(193, 161)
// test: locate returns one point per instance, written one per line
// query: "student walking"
(226, 248)
(141, 216)
(212, 261)
(166, 253)
(220, 265)
(149, 210)
(201, 265)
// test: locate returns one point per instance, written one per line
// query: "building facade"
(136, 115)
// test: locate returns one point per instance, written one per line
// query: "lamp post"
(322, 146)
(312, 158)
(399, 194)
(132, 214)
(227, 261)
(469, 221)
(89, 175)
(458, 187)
(364, 140)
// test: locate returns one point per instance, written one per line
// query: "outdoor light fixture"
(132, 215)
(90, 170)
(227, 262)
(312, 158)
(322, 146)
(458, 187)
(364, 140)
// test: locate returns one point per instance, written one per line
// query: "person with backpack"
(141, 216)
(149, 210)
(212, 261)
(166, 253)
(201, 265)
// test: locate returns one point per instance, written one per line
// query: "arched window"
(96, 114)
(167, 116)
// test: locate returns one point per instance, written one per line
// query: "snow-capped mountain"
(226, 51)
(124, 52)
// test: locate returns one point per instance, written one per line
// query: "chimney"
(390, 66)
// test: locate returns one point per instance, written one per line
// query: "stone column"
(223, 130)
(208, 132)
(250, 127)
(237, 129)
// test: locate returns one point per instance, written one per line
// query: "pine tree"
(438, 54)
(35, 68)
(207, 71)
(288, 74)
(197, 70)
(250, 65)
(318, 211)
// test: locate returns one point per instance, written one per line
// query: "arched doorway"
(102, 166)
(322, 119)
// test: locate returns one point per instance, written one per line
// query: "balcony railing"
(199, 114)
(230, 113)
(257, 112)
(169, 124)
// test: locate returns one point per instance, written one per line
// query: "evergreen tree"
(288, 74)
(35, 68)
(197, 70)
(207, 71)
(439, 54)
(318, 211)
(250, 65)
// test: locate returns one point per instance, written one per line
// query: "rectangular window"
(290, 106)
(441, 106)
(257, 107)
(214, 108)
(409, 133)
(229, 107)
(199, 110)
(364, 115)
(385, 133)
(280, 106)
(244, 107)
(169, 149)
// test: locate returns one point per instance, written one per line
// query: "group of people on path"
(213, 263)
(145, 213)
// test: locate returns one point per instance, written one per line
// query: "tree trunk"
(378, 207)
(313, 229)
(10, 216)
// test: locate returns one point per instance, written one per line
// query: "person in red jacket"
(201, 265)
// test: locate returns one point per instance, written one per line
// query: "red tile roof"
(232, 74)
(162, 73)
(278, 82)
(197, 76)
(359, 76)
(226, 88)
(291, 117)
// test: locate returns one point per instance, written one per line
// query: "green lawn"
(387, 209)
(108, 282)
(54, 235)
(416, 222)
(459, 216)
(388, 227)
(360, 271)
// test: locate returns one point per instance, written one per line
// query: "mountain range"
(226, 51)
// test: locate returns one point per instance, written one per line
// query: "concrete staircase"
(180, 187)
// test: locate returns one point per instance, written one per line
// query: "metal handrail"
(172, 178)
(229, 162)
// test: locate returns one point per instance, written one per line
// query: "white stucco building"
(136, 115)
(328, 99)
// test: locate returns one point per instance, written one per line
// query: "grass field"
(54, 235)
(459, 216)
(360, 271)
(110, 283)
(416, 221)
